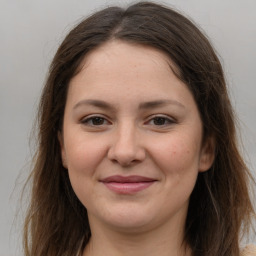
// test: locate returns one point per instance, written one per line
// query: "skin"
(124, 136)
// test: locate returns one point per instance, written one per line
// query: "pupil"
(97, 120)
(159, 121)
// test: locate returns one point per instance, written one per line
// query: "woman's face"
(132, 139)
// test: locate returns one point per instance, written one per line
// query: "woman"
(137, 150)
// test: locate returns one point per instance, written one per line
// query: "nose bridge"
(125, 147)
(126, 136)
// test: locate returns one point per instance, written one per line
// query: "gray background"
(30, 32)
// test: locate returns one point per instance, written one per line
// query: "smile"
(127, 185)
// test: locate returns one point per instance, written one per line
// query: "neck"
(166, 240)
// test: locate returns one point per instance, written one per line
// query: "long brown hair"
(56, 222)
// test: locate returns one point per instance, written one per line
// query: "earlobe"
(207, 155)
(62, 148)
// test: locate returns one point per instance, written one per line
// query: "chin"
(128, 219)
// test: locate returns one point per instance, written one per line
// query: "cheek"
(82, 162)
(83, 154)
(178, 161)
(177, 154)
(83, 158)
(176, 158)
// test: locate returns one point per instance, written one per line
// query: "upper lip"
(127, 179)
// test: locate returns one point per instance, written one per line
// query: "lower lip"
(127, 188)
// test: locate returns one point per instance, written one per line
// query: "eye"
(161, 121)
(95, 121)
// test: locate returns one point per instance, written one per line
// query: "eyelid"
(86, 119)
(171, 120)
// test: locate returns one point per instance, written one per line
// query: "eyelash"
(89, 120)
(169, 120)
(101, 121)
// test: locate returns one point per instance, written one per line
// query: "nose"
(126, 147)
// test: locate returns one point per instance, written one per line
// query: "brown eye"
(159, 121)
(95, 121)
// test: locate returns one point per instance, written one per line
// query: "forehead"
(126, 51)
(115, 56)
(122, 70)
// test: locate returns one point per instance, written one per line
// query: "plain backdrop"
(31, 31)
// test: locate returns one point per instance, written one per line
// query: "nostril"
(124, 159)
(126, 150)
(124, 163)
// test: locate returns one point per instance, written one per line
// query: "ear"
(62, 148)
(207, 154)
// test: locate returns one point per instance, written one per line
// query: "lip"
(127, 184)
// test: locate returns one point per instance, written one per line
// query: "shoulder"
(249, 250)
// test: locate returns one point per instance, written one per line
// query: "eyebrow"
(159, 103)
(97, 103)
(144, 105)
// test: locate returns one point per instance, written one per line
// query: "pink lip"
(128, 184)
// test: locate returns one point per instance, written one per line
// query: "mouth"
(127, 184)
